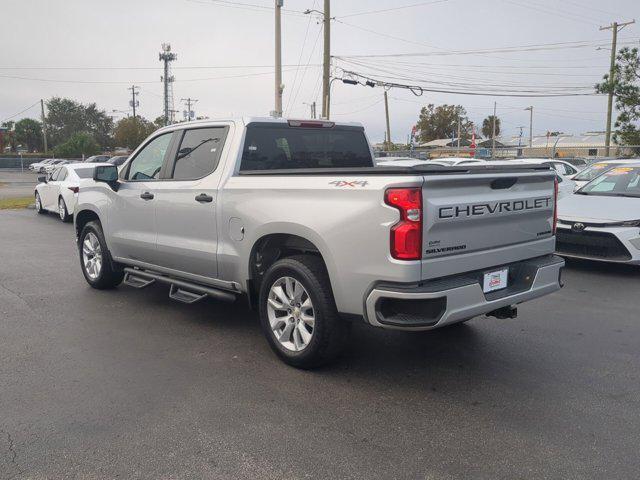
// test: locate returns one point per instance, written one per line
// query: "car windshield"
(592, 172)
(617, 182)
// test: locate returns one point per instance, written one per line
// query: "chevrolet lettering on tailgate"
(479, 209)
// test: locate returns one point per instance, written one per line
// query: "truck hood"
(598, 208)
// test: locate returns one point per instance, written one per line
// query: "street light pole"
(530, 125)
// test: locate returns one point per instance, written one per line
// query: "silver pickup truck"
(293, 216)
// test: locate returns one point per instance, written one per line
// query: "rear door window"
(198, 153)
(279, 146)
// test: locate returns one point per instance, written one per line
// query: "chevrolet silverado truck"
(293, 216)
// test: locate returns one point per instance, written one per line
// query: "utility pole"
(386, 110)
(459, 133)
(326, 94)
(279, 87)
(134, 102)
(167, 56)
(189, 101)
(615, 27)
(493, 131)
(44, 126)
(312, 107)
(530, 126)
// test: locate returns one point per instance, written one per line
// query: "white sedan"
(601, 221)
(58, 191)
(598, 168)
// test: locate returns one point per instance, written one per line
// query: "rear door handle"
(204, 198)
(146, 196)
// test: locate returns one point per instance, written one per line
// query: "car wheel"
(62, 210)
(95, 259)
(39, 208)
(298, 314)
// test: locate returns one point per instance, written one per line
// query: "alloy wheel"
(291, 314)
(92, 256)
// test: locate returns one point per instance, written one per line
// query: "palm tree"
(487, 127)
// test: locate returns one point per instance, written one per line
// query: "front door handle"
(204, 198)
(146, 196)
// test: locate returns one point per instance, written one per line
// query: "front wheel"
(62, 211)
(95, 259)
(39, 208)
(298, 314)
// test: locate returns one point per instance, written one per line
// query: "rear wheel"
(95, 259)
(298, 313)
(62, 210)
(39, 208)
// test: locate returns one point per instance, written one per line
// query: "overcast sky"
(92, 51)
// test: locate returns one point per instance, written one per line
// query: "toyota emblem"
(578, 227)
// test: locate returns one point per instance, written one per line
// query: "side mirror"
(107, 174)
(42, 179)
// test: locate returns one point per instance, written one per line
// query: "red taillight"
(406, 235)
(74, 189)
(555, 206)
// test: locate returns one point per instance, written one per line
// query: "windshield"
(277, 146)
(592, 172)
(617, 182)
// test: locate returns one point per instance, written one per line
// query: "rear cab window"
(277, 146)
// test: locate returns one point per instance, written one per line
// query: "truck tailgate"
(468, 215)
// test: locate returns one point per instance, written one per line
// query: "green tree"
(67, 117)
(159, 121)
(9, 136)
(29, 133)
(130, 131)
(626, 89)
(80, 143)
(487, 127)
(442, 122)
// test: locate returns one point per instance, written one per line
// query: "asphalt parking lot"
(129, 384)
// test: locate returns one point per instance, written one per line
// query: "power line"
(107, 82)
(181, 67)
(246, 6)
(384, 10)
(520, 48)
(21, 112)
(304, 73)
(304, 43)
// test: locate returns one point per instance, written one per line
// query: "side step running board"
(137, 282)
(181, 290)
(184, 296)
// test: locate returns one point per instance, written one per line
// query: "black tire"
(108, 277)
(66, 218)
(39, 208)
(330, 332)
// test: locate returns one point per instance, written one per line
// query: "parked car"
(598, 168)
(39, 166)
(409, 161)
(564, 169)
(293, 216)
(118, 160)
(53, 165)
(97, 159)
(601, 220)
(58, 191)
(566, 186)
